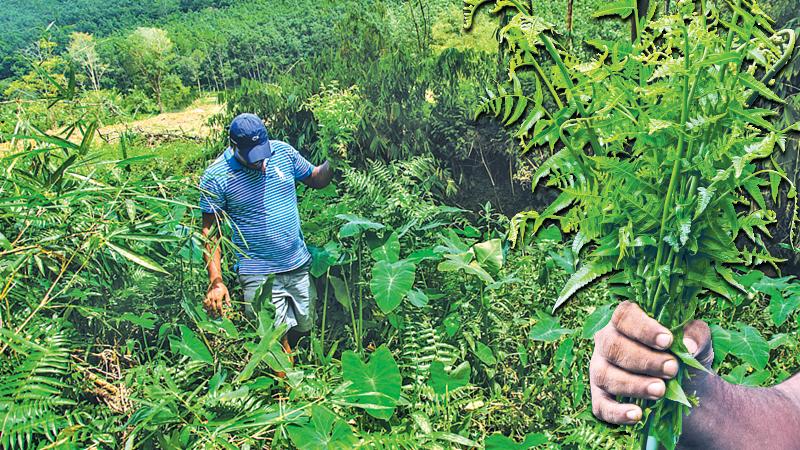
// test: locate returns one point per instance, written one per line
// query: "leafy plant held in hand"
(658, 159)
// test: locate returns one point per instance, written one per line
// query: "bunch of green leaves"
(658, 146)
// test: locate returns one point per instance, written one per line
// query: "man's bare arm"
(217, 294)
(320, 177)
(630, 360)
(739, 417)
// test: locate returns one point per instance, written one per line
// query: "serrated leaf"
(583, 276)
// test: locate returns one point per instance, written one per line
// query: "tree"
(82, 50)
(151, 54)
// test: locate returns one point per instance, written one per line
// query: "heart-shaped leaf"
(547, 329)
(489, 255)
(375, 386)
(190, 345)
(391, 282)
(443, 382)
(324, 431)
(356, 225)
(389, 251)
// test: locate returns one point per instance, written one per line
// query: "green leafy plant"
(657, 163)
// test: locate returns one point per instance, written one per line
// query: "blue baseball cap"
(249, 138)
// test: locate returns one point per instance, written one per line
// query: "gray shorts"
(293, 295)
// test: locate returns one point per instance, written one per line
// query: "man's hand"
(217, 297)
(631, 359)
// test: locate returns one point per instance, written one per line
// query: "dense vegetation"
(103, 339)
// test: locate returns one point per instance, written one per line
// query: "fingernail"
(690, 345)
(670, 368)
(656, 389)
(633, 415)
(664, 340)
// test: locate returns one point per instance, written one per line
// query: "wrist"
(215, 281)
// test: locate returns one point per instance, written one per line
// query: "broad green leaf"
(325, 431)
(190, 345)
(443, 382)
(780, 307)
(417, 298)
(463, 261)
(356, 225)
(489, 255)
(547, 329)
(145, 320)
(675, 393)
(585, 275)
(389, 251)
(268, 350)
(375, 386)
(391, 282)
(750, 346)
(485, 354)
(597, 320)
(141, 260)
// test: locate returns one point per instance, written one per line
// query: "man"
(253, 184)
(630, 360)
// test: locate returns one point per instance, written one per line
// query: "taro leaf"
(375, 386)
(499, 442)
(417, 298)
(443, 382)
(145, 320)
(323, 258)
(780, 308)
(597, 320)
(340, 291)
(391, 282)
(485, 354)
(389, 251)
(489, 255)
(547, 329)
(324, 431)
(585, 275)
(141, 260)
(422, 255)
(463, 261)
(190, 345)
(722, 341)
(356, 225)
(675, 393)
(551, 233)
(750, 346)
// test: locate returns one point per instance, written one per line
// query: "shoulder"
(281, 148)
(217, 168)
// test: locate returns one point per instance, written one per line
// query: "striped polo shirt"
(262, 208)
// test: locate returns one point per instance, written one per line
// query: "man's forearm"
(213, 253)
(734, 417)
(320, 177)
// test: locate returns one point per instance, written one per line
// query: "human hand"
(216, 297)
(631, 359)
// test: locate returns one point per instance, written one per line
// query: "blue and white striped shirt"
(262, 208)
